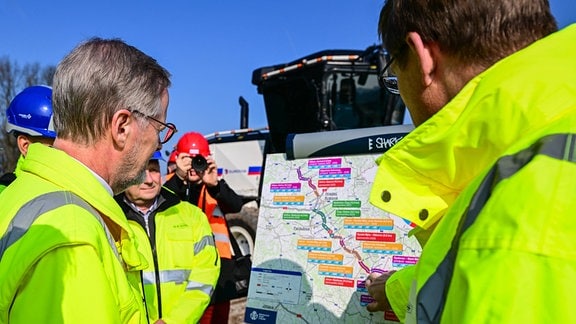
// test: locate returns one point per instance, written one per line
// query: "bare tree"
(9, 72)
(31, 74)
(47, 75)
(13, 79)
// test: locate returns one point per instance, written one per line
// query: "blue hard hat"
(157, 156)
(30, 112)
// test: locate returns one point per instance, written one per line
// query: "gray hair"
(100, 77)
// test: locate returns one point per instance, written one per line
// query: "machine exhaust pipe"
(243, 112)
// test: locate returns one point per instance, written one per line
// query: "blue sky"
(210, 47)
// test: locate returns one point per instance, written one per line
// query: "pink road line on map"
(355, 254)
(330, 232)
(310, 184)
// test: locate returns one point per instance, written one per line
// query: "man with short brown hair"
(488, 173)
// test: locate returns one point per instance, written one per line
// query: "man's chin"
(128, 182)
(147, 196)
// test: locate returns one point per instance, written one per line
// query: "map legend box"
(277, 285)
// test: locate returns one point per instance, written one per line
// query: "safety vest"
(57, 251)
(183, 264)
(496, 113)
(168, 177)
(217, 221)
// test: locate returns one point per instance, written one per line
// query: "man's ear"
(426, 54)
(121, 127)
(23, 142)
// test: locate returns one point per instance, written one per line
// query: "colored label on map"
(382, 247)
(366, 299)
(346, 204)
(382, 224)
(325, 258)
(335, 173)
(339, 282)
(331, 183)
(361, 286)
(288, 200)
(285, 187)
(375, 236)
(402, 261)
(324, 163)
(335, 271)
(314, 245)
(348, 213)
(296, 216)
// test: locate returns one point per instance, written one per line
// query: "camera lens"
(199, 163)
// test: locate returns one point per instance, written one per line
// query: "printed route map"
(318, 238)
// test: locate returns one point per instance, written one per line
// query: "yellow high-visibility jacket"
(58, 261)
(514, 268)
(183, 263)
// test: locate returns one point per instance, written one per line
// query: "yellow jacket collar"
(495, 112)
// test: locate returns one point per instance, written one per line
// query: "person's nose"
(148, 179)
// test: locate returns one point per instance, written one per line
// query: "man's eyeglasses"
(387, 79)
(165, 133)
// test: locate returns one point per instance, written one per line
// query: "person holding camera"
(197, 182)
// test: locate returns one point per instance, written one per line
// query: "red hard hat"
(172, 157)
(193, 143)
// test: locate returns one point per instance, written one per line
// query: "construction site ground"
(237, 307)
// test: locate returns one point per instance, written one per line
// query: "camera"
(199, 163)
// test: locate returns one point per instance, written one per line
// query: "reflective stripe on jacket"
(63, 268)
(556, 156)
(183, 263)
(217, 221)
(501, 111)
(36, 207)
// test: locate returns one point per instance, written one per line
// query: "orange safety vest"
(217, 222)
(168, 176)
